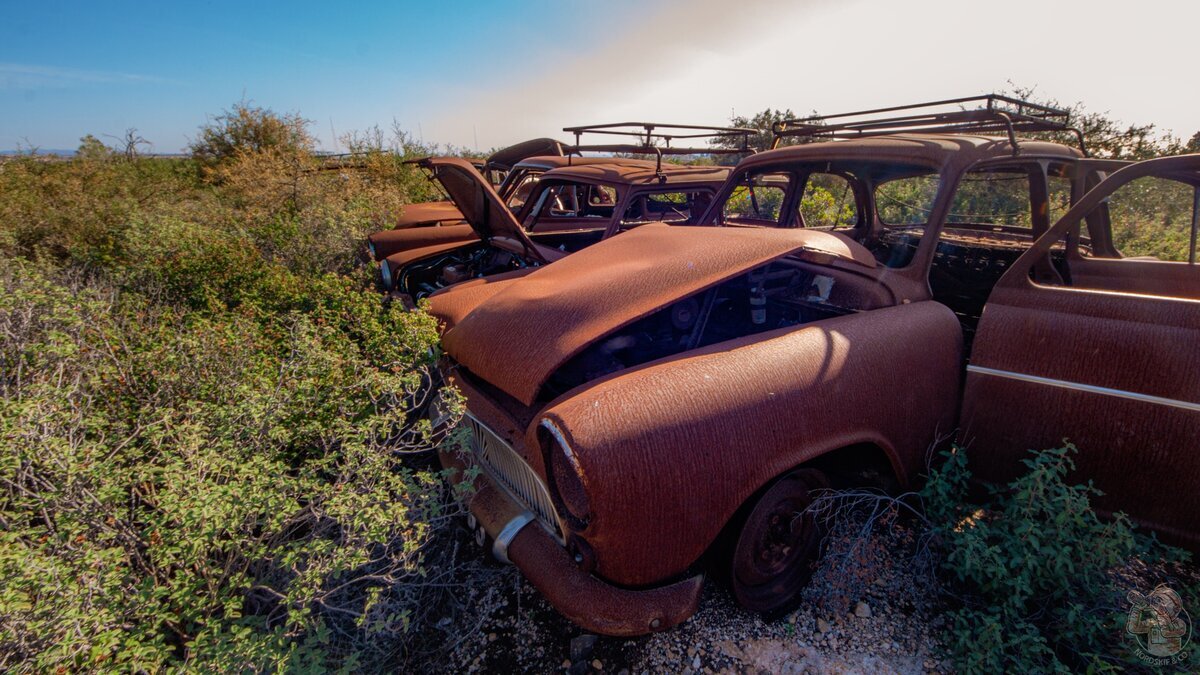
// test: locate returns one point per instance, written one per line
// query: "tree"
(761, 122)
(1105, 137)
(91, 148)
(249, 128)
(130, 142)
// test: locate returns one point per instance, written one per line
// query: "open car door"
(1107, 357)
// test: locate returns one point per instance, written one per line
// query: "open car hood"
(477, 200)
(524, 329)
(507, 158)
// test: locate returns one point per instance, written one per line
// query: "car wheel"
(775, 549)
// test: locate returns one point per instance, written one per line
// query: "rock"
(823, 625)
(862, 610)
(581, 646)
(491, 637)
(597, 664)
(566, 664)
(696, 663)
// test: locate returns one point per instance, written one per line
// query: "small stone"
(823, 625)
(597, 664)
(862, 610)
(491, 637)
(691, 651)
(566, 664)
(581, 646)
(696, 663)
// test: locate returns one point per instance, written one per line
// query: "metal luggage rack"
(995, 114)
(654, 138)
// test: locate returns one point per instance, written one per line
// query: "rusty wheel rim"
(772, 559)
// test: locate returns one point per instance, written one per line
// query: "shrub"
(249, 128)
(186, 488)
(1036, 575)
(203, 407)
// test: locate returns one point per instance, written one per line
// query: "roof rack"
(996, 113)
(654, 138)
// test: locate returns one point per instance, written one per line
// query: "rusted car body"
(569, 208)
(666, 401)
(1105, 355)
(513, 192)
(506, 168)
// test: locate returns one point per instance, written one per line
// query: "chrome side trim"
(508, 533)
(1090, 388)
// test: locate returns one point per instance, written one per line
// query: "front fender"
(670, 450)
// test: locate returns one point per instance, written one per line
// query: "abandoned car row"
(663, 362)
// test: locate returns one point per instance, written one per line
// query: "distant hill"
(41, 151)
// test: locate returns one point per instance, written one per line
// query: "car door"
(1113, 367)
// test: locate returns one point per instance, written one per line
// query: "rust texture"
(587, 601)
(650, 440)
(1136, 336)
(746, 412)
(556, 311)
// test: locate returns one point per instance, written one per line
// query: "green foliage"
(762, 122)
(246, 128)
(1035, 569)
(91, 148)
(201, 405)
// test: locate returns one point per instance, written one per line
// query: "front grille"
(504, 466)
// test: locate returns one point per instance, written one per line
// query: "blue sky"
(491, 73)
(67, 69)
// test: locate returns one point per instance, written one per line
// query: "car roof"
(548, 162)
(934, 150)
(639, 172)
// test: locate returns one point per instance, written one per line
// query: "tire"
(772, 557)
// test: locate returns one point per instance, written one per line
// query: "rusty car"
(506, 168)
(665, 403)
(443, 221)
(568, 208)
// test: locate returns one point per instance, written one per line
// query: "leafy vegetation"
(202, 402)
(1037, 578)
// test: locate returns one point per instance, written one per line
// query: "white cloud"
(29, 76)
(695, 62)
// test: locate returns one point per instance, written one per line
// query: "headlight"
(385, 275)
(566, 477)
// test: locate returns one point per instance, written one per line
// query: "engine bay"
(422, 278)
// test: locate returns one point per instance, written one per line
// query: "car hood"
(518, 336)
(388, 242)
(428, 212)
(477, 200)
(507, 158)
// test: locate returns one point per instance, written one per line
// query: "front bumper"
(592, 604)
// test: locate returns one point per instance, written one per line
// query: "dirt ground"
(861, 613)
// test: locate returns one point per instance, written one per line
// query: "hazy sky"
(484, 74)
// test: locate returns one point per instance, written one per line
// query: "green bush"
(1036, 575)
(204, 410)
(212, 488)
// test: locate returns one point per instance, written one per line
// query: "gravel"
(873, 616)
